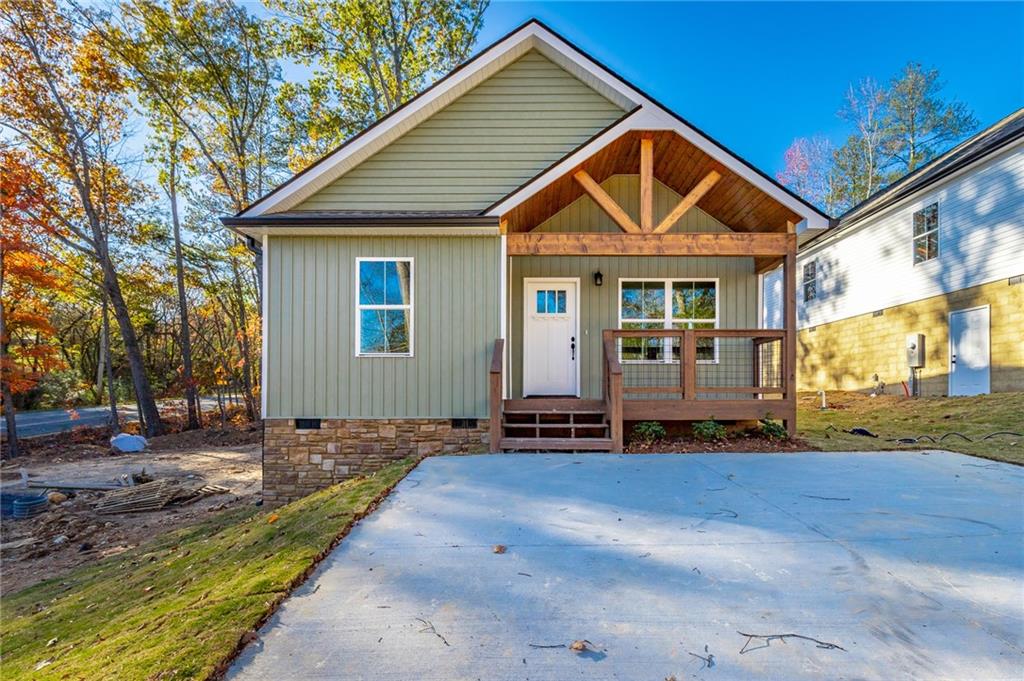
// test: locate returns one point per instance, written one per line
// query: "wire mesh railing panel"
(650, 367)
(769, 363)
(657, 363)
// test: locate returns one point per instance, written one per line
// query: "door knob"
(572, 347)
(953, 360)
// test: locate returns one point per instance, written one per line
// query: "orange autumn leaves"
(28, 282)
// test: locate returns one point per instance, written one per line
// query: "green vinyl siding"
(583, 215)
(312, 370)
(480, 147)
(599, 305)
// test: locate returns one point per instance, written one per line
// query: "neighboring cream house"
(530, 255)
(938, 253)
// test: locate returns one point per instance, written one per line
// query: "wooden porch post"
(789, 347)
(495, 402)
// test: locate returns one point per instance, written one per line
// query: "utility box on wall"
(915, 350)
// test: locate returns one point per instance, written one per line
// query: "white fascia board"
(259, 232)
(460, 81)
(653, 117)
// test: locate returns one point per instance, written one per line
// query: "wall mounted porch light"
(598, 278)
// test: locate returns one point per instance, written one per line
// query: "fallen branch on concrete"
(542, 645)
(815, 496)
(768, 638)
(428, 628)
(707, 661)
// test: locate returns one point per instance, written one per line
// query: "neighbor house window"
(810, 280)
(667, 304)
(384, 307)
(926, 233)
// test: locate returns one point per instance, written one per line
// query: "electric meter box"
(915, 350)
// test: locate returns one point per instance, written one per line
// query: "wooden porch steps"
(554, 424)
(554, 405)
(544, 444)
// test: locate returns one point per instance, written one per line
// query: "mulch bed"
(736, 442)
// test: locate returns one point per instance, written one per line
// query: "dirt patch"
(72, 533)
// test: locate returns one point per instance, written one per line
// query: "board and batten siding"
(871, 267)
(480, 147)
(312, 370)
(599, 305)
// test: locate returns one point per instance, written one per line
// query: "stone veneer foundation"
(297, 462)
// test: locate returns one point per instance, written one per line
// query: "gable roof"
(644, 114)
(990, 140)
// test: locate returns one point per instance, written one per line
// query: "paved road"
(60, 420)
(910, 563)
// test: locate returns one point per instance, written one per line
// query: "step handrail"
(496, 403)
(613, 390)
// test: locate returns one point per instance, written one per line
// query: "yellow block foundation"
(848, 354)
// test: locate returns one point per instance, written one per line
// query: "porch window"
(926, 233)
(667, 304)
(384, 299)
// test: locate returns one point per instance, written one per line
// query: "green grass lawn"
(178, 607)
(890, 417)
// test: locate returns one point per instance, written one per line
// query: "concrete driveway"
(903, 565)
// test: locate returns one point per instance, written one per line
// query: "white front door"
(969, 351)
(551, 347)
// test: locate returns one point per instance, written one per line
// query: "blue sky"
(757, 75)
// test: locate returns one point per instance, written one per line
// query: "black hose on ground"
(857, 430)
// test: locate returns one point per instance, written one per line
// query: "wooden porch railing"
(495, 399)
(697, 374)
(613, 393)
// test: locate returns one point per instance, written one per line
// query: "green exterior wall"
(737, 304)
(480, 147)
(312, 370)
(737, 285)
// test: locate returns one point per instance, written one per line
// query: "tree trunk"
(144, 393)
(100, 360)
(115, 421)
(191, 396)
(8, 398)
(247, 382)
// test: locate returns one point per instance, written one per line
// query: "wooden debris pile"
(153, 496)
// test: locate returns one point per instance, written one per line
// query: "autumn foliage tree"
(65, 102)
(27, 283)
(894, 129)
(368, 57)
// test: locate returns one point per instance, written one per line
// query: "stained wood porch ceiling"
(679, 165)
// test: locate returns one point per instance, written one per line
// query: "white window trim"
(668, 319)
(804, 281)
(360, 307)
(938, 233)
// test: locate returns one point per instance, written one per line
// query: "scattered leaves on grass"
(272, 518)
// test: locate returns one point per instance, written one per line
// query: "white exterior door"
(969, 351)
(551, 347)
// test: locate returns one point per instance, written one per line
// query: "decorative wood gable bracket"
(646, 226)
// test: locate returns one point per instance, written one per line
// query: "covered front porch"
(631, 292)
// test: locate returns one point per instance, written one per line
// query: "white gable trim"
(649, 115)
